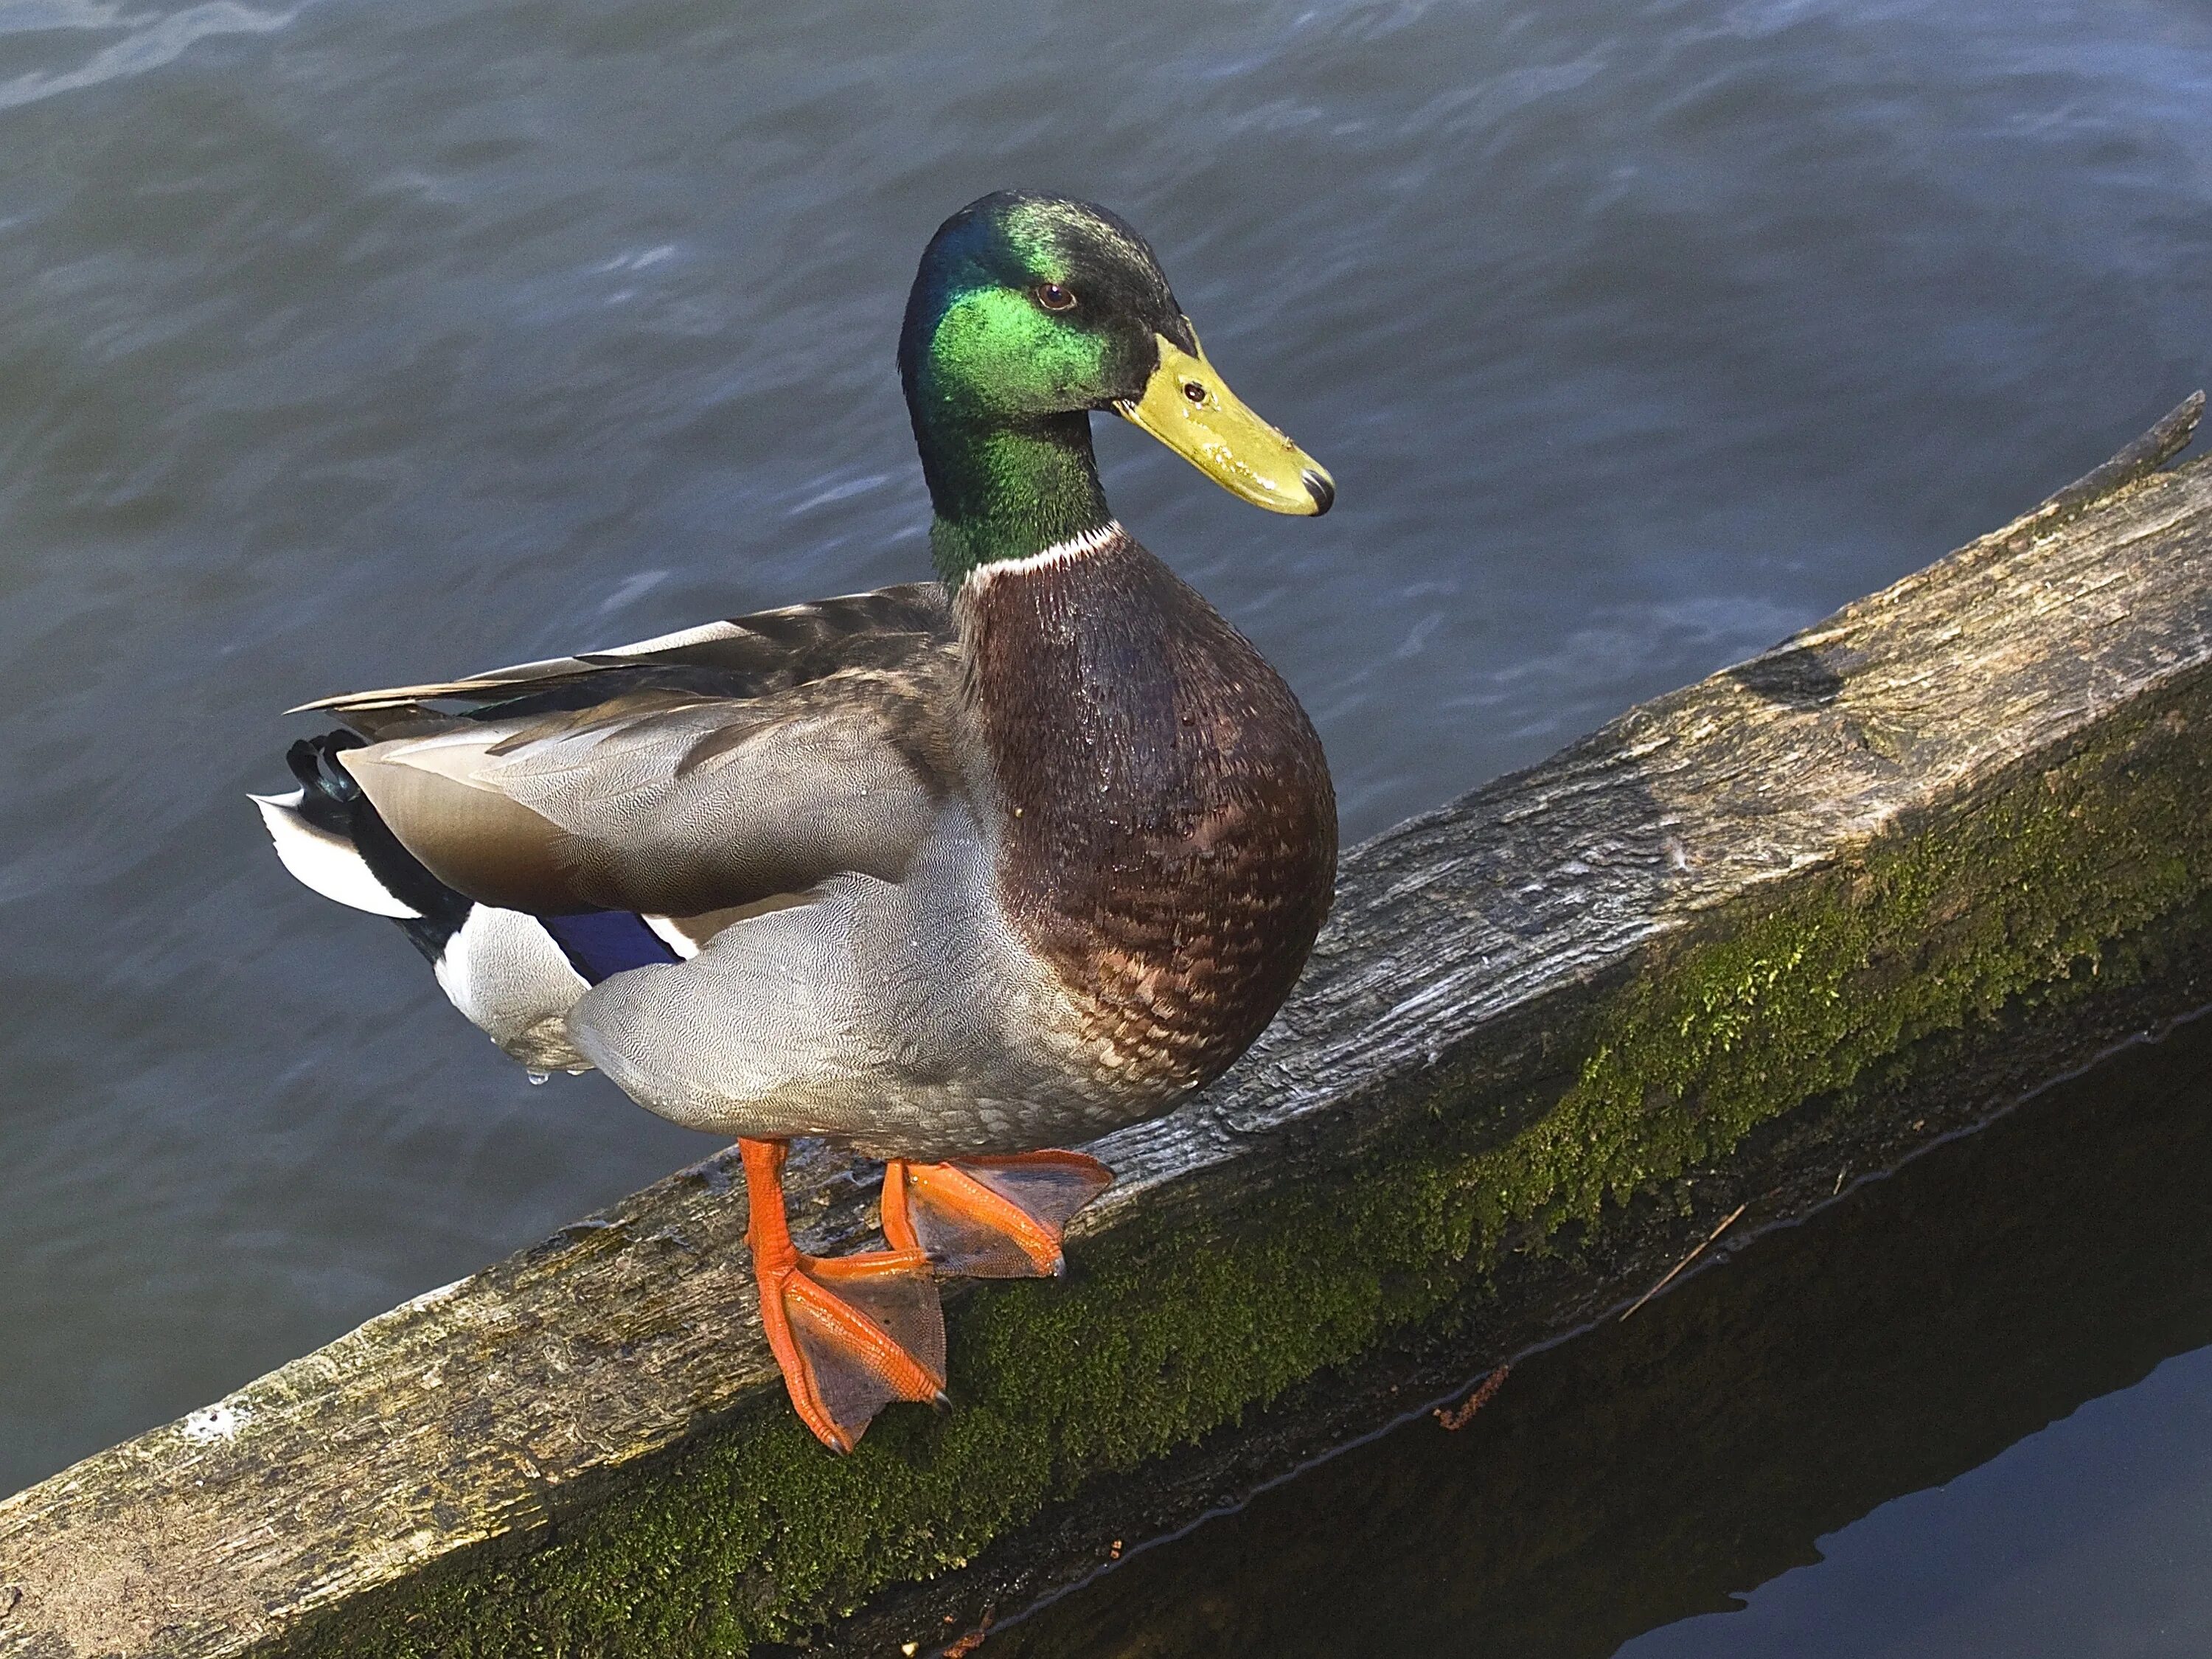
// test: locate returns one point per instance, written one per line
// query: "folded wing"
(697, 773)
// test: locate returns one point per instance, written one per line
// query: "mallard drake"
(955, 872)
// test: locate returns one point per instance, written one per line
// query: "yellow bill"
(1188, 407)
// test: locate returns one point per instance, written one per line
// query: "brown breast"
(1169, 826)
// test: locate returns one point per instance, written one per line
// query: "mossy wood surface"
(1566, 986)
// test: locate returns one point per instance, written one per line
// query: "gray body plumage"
(905, 1017)
(797, 803)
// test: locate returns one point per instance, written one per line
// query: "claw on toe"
(990, 1217)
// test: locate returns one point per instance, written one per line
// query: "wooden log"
(1559, 992)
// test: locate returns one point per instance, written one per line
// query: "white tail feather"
(326, 862)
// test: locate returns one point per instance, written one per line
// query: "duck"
(962, 873)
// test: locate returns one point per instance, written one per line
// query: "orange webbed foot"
(990, 1217)
(851, 1333)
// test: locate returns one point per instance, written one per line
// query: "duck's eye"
(1054, 297)
(1195, 390)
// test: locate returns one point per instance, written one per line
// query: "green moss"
(1929, 932)
(752, 1533)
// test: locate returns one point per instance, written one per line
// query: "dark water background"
(352, 342)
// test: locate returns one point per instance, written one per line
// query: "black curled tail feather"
(331, 800)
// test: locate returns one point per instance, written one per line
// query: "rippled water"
(348, 343)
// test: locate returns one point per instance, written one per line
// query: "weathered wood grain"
(518, 1399)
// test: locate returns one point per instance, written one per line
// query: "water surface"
(346, 344)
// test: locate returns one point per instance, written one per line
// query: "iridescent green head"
(1028, 313)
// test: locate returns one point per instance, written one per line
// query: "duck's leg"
(990, 1217)
(852, 1333)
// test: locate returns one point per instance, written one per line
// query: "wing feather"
(742, 657)
(743, 761)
